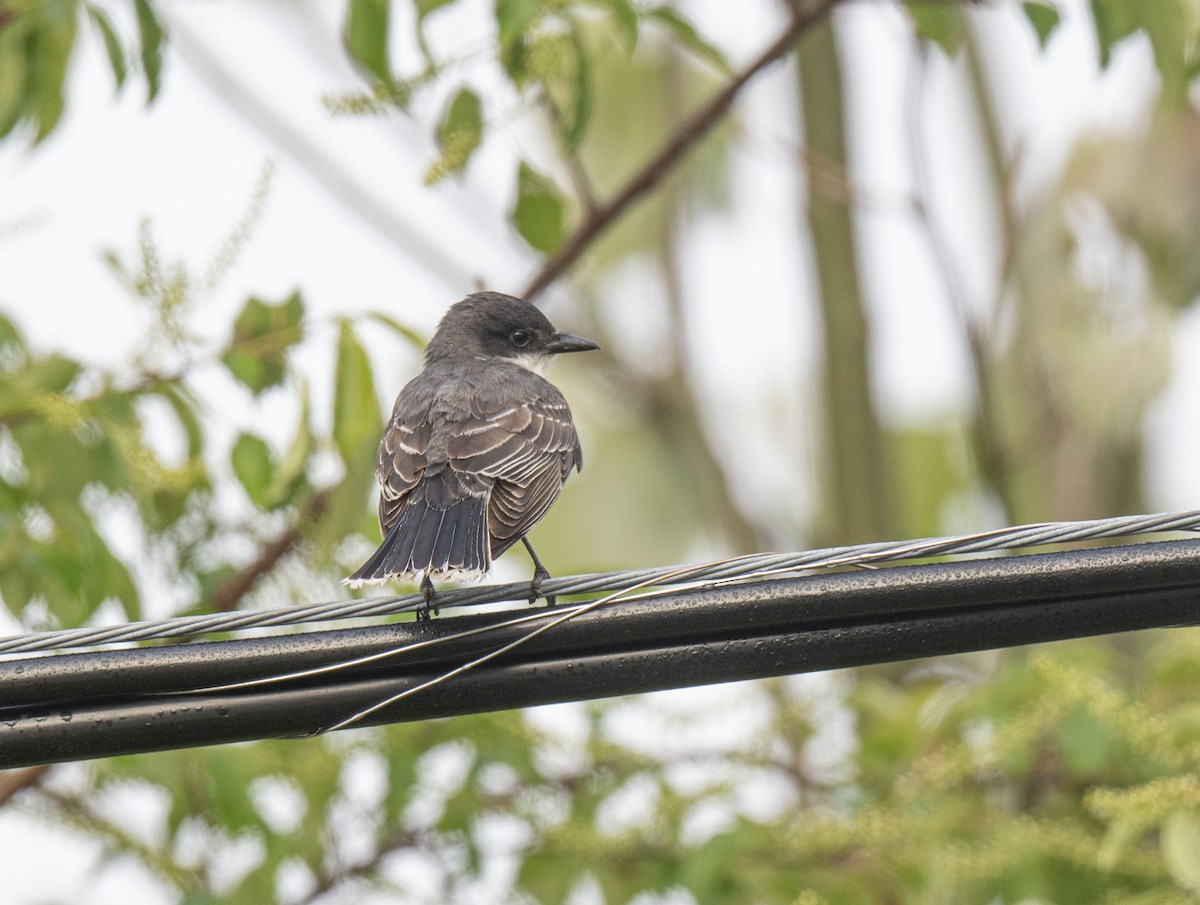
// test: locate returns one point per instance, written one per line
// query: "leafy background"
(893, 293)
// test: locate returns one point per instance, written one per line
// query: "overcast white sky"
(190, 162)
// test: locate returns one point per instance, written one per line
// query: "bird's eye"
(520, 338)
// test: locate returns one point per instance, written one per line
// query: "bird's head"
(492, 325)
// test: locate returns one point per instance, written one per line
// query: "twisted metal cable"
(753, 567)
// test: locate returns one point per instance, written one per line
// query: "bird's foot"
(535, 587)
(540, 574)
(424, 614)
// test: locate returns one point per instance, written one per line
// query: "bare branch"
(575, 169)
(399, 840)
(230, 592)
(689, 133)
(13, 781)
(989, 442)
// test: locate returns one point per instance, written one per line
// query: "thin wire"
(484, 658)
(742, 568)
(565, 612)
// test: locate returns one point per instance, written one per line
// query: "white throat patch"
(533, 362)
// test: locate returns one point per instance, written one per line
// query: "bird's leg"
(427, 593)
(540, 574)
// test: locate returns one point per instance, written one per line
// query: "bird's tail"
(433, 541)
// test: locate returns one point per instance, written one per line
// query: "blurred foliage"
(37, 38)
(1060, 777)
(1064, 778)
(1101, 267)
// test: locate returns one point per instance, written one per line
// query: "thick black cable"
(92, 705)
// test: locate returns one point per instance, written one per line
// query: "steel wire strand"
(742, 568)
(550, 619)
(1049, 532)
(799, 624)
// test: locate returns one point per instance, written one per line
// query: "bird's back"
(478, 445)
(463, 474)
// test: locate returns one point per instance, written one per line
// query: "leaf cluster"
(37, 38)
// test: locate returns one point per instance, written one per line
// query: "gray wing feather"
(526, 449)
(443, 448)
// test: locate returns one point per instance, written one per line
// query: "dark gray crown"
(494, 325)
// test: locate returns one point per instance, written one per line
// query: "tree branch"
(77, 810)
(397, 841)
(230, 592)
(691, 131)
(13, 781)
(988, 439)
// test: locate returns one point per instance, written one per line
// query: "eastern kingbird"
(478, 446)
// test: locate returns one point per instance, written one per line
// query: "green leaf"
(1181, 849)
(366, 36)
(1121, 836)
(48, 53)
(686, 34)
(1087, 743)
(252, 466)
(347, 511)
(291, 471)
(1114, 21)
(262, 334)
(357, 425)
(425, 7)
(78, 571)
(151, 34)
(12, 77)
(12, 346)
(940, 23)
(707, 875)
(407, 333)
(227, 771)
(579, 107)
(1166, 25)
(402, 777)
(198, 897)
(540, 212)
(513, 18)
(52, 374)
(626, 19)
(185, 407)
(112, 44)
(118, 584)
(546, 878)
(458, 135)
(1044, 18)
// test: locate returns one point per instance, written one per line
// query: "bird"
(477, 449)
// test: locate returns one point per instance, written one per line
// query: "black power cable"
(75, 706)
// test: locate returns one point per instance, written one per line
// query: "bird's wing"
(526, 448)
(403, 457)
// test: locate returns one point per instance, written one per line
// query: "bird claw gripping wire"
(540, 574)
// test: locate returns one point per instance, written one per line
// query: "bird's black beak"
(569, 342)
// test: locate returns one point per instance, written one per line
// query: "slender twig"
(689, 133)
(14, 781)
(580, 180)
(77, 811)
(936, 239)
(397, 841)
(230, 592)
(989, 442)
